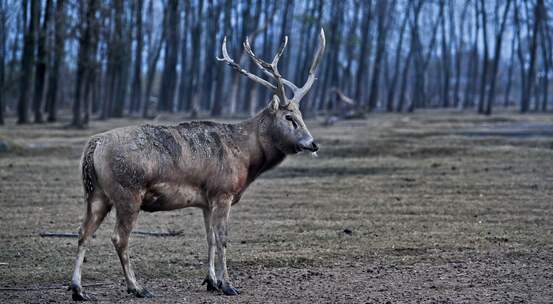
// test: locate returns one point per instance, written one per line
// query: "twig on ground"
(50, 287)
(153, 233)
(137, 232)
(59, 234)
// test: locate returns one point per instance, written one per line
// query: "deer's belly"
(166, 196)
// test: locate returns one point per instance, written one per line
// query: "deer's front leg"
(220, 217)
(211, 279)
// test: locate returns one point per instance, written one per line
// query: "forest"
(95, 59)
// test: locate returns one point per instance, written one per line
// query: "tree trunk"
(460, 49)
(59, 46)
(404, 75)
(531, 75)
(154, 51)
(185, 70)
(40, 69)
(446, 68)
(196, 68)
(169, 76)
(83, 64)
(510, 74)
(210, 52)
(120, 61)
(547, 59)
(520, 56)
(382, 8)
(136, 92)
(485, 59)
(217, 108)
(92, 66)
(3, 50)
(397, 62)
(27, 61)
(363, 53)
(496, 58)
(329, 75)
(472, 72)
(421, 60)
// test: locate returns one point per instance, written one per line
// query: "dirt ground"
(434, 207)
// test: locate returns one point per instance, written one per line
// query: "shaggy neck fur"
(264, 154)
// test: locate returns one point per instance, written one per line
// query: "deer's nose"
(308, 144)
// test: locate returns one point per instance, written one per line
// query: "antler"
(226, 59)
(271, 70)
(300, 93)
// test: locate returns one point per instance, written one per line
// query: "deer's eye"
(291, 119)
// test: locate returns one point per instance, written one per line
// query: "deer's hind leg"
(127, 207)
(97, 207)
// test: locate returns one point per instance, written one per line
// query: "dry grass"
(438, 213)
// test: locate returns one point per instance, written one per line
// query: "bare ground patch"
(395, 208)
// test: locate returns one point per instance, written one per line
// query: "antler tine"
(280, 52)
(301, 92)
(265, 66)
(226, 59)
(271, 69)
(319, 52)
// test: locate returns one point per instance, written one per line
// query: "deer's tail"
(89, 177)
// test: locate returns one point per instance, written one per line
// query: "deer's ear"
(274, 105)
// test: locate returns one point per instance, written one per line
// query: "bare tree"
(497, 56)
(510, 73)
(486, 59)
(27, 60)
(531, 74)
(421, 62)
(472, 71)
(364, 51)
(416, 7)
(397, 61)
(382, 27)
(547, 58)
(136, 91)
(446, 54)
(88, 11)
(184, 66)
(169, 76)
(459, 53)
(154, 51)
(59, 46)
(40, 70)
(217, 108)
(3, 50)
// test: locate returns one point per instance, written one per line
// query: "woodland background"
(96, 59)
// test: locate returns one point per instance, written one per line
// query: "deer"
(200, 164)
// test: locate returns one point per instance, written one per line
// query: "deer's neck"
(264, 155)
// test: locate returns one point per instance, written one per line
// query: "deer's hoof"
(81, 296)
(228, 289)
(211, 285)
(141, 293)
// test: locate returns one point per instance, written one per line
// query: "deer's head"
(287, 129)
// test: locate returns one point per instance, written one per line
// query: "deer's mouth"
(313, 147)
